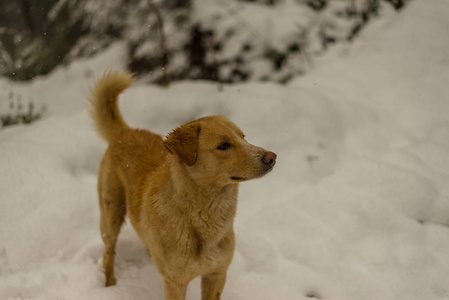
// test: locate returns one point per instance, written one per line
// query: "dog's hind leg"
(112, 214)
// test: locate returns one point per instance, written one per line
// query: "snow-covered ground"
(356, 208)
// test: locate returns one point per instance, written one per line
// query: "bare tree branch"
(162, 42)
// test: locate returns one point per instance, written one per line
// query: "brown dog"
(180, 194)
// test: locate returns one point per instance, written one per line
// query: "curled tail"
(104, 110)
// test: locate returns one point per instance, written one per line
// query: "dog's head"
(215, 150)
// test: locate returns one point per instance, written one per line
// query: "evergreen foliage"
(227, 41)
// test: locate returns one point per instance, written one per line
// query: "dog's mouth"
(261, 174)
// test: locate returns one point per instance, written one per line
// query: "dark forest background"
(175, 36)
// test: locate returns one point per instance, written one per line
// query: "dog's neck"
(207, 187)
(211, 198)
(212, 205)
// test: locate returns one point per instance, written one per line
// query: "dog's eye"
(224, 146)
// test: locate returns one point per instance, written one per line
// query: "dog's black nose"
(269, 158)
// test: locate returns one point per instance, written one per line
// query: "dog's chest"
(207, 235)
(211, 249)
(194, 237)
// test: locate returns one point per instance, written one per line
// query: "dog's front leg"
(174, 291)
(212, 285)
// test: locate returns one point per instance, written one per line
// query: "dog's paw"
(110, 281)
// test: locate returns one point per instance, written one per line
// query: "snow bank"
(356, 208)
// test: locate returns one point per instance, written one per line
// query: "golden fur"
(180, 193)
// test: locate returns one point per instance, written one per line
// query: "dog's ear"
(183, 142)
